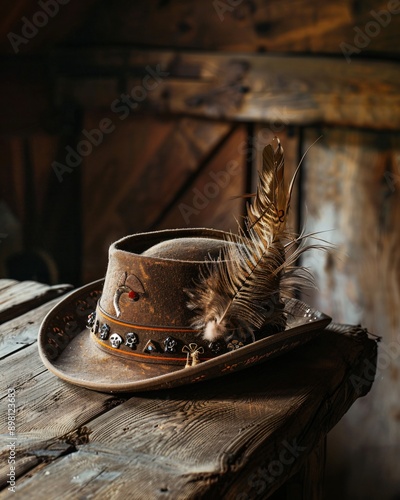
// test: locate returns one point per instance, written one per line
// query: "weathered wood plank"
(22, 331)
(109, 474)
(274, 26)
(38, 393)
(5, 283)
(50, 414)
(202, 441)
(301, 90)
(352, 188)
(222, 438)
(25, 295)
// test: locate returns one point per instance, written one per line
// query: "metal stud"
(234, 344)
(131, 340)
(104, 331)
(116, 340)
(150, 347)
(170, 344)
(217, 347)
(91, 319)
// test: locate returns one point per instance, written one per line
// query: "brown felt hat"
(132, 331)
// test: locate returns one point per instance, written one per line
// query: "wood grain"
(352, 191)
(44, 428)
(141, 167)
(213, 198)
(301, 90)
(22, 296)
(22, 331)
(241, 26)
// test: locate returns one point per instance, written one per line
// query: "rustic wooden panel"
(352, 189)
(211, 200)
(240, 25)
(21, 297)
(301, 90)
(24, 101)
(25, 179)
(135, 174)
(12, 175)
(43, 149)
(63, 18)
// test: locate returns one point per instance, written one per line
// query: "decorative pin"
(115, 340)
(150, 347)
(170, 344)
(192, 351)
(217, 347)
(104, 331)
(127, 284)
(131, 340)
(91, 319)
(234, 344)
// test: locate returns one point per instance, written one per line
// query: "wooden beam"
(293, 90)
(244, 25)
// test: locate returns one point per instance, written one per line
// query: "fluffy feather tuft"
(240, 293)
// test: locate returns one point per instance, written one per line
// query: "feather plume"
(240, 293)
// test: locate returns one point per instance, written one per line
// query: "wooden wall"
(212, 82)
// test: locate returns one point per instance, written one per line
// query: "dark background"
(166, 106)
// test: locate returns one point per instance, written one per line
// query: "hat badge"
(129, 284)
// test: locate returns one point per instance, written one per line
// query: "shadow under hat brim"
(72, 355)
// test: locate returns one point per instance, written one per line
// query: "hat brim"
(80, 362)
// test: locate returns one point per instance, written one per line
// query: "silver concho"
(115, 340)
(131, 340)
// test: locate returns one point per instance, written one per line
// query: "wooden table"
(258, 433)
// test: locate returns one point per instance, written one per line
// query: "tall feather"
(241, 292)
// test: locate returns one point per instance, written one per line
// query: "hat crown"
(189, 249)
(145, 284)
